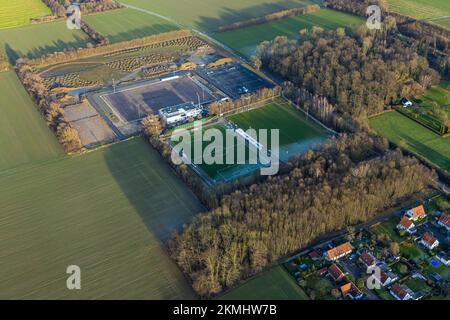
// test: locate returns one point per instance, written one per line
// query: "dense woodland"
(432, 40)
(271, 17)
(59, 7)
(359, 73)
(325, 191)
(48, 106)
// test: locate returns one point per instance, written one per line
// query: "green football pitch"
(296, 135)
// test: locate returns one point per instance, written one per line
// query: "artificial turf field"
(15, 13)
(128, 24)
(412, 136)
(37, 40)
(245, 40)
(107, 212)
(24, 136)
(208, 15)
(275, 284)
(296, 133)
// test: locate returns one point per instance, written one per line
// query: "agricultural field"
(38, 40)
(421, 9)
(245, 40)
(275, 284)
(107, 212)
(412, 136)
(24, 136)
(101, 69)
(209, 15)
(128, 24)
(18, 13)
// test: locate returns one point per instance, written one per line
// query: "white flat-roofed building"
(180, 113)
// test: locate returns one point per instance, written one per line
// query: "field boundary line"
(308, 115)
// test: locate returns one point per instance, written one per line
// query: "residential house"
(385, 278)
(429, 241)
(444, 221)
(367, 259)
(416, 213)
(444, 258)
(314, 255)
(350, 291)
(406, 225)
(401, 292)
(335, 273)
(339, 251)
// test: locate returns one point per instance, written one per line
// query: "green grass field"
(439, 94)
(296, 133)
(37, 40)
(24, 136)
(294, 128)
(245, 40)
(414, 137)
(128, 24)
(208, 15)
(18, 13)
(421, 9)
(107, 212)
(275, 284)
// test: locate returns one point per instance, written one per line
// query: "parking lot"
(234, 80)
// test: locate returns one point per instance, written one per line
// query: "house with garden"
(429, 241)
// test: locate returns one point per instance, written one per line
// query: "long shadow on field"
(439, 159)
(229, 16)
(162, 200)
(39, 51)
(141, 32)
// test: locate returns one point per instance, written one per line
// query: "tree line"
(59, 7)
(75, 54)
(359, 73)
(283, 14)
(326, 190)
(49, 106)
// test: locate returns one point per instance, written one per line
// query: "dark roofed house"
(367, 259)
(314, 255)
(444, 221)
(400, 292)
(335, 273)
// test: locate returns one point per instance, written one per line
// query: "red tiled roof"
(335, 272)
(429, 238)
(349, 288)
(344, 248)
(406, 223)
(418, 212)
(445, 219)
